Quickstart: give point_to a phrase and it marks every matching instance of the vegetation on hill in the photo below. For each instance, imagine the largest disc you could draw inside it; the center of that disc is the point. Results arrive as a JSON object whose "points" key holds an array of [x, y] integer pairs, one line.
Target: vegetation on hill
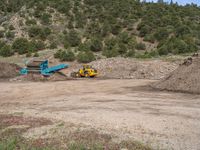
{"points": [[112, 28]]}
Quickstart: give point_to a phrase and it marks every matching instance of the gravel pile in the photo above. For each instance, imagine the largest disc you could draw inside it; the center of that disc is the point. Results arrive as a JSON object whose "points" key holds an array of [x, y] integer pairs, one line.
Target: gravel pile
{"points": [[124, 68], [186, 78]]}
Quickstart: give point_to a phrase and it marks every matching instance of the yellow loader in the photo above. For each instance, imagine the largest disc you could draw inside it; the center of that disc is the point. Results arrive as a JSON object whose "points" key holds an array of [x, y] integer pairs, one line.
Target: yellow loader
{"points": [[87, 71]]}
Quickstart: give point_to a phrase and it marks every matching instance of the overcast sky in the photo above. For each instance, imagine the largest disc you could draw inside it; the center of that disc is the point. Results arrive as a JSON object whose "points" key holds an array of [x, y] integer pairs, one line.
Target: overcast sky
{"points": [[182, 2]]}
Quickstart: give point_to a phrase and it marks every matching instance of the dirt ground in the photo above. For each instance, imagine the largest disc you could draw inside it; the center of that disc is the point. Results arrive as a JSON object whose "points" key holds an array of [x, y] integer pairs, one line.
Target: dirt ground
{"points": [[127, 109]]}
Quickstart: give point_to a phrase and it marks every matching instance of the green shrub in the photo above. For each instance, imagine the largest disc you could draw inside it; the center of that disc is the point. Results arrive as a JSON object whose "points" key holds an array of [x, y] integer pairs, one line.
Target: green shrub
{"points": [[84, 46], [161, 34], [21, 45], [34, 31], [130, 53], [67, 56], [85, 57], [73, 38], [36, 46], [140, 46], [10, 35], [6, 51], [58, 54], [45, 18], [163, 50], [36, 55], [149, 38], [31, 22], [29, 54], [2, 34], [96, 45], [111, 52], [53, 45], [11, 27]]}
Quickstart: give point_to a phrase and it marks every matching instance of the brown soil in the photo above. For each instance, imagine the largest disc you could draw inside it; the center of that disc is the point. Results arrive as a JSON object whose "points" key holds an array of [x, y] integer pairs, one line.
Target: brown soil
{"points": [[125, 109], [184, 79], [8, 70]]}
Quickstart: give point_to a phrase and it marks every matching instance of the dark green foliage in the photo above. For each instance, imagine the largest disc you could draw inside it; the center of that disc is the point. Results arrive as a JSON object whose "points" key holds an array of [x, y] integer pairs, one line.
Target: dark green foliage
{"points": [[2, 34], [11, 27], [107, 20], [161, 34], [21, 45], [36, 55], [96, 45], [53, 45], [6, 51], [40, 32], [31, 22], [85, 57], [36, 46], [84, 46], [73, 38], [45, 18], [10, 35], [140, 46], [64, 55]]}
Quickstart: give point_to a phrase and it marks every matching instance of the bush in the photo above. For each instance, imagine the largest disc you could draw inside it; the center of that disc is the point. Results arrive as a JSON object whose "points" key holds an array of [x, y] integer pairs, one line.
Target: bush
{"points": [[40, 32], [130, 53], [140, 46], [2, 34], [96, 45], [11, 27], [67, 56], [161, 34], [36, 46], [21, 45], [111, 52], [84, 46], [73, 38], [45, 18], [85, 57], [149, 38], [31, 22], [58, 54], [10, 35], [6, 51], [53, 45], [36, 55]]}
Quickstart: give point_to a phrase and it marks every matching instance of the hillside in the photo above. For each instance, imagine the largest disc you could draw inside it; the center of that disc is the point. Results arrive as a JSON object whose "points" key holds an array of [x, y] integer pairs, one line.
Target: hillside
{"points": [[90, 29]]}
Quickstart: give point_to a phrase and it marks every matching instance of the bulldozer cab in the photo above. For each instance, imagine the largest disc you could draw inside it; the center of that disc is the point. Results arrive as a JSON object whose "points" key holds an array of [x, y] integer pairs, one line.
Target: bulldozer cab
{"points": [[85, 67]]}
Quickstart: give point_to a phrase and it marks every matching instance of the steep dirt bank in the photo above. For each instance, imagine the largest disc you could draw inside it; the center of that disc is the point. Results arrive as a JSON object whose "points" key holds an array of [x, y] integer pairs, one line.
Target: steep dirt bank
{"points": [[186, 78]]}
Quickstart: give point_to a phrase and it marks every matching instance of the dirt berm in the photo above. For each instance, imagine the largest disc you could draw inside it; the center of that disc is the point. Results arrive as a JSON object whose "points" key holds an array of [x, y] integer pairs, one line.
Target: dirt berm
{"points": [[125, 68], [8, 70], [186, 78]]}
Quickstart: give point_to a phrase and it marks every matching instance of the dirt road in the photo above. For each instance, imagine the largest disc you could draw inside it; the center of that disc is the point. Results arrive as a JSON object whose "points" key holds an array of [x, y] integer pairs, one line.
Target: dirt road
{"points": [[127, 109]]}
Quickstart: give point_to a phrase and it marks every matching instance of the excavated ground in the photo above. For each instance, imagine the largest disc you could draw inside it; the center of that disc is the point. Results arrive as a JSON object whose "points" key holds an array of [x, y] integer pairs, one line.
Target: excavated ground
{"points": [[125, 109], [186, 78]]}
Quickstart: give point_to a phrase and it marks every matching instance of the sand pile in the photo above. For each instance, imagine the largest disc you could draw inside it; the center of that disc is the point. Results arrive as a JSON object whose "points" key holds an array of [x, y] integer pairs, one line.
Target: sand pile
{"points": [[124, 68], [186, 78], [8, 70]]}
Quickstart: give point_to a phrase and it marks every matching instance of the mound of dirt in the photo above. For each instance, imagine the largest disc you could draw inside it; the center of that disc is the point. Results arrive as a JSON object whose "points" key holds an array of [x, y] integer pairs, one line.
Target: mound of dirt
{"points": [[186, 78], [8, 70], [124, 68]]}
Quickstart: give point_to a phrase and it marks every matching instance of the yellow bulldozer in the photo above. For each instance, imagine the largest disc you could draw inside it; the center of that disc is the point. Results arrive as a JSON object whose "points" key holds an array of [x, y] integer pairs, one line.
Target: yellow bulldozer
{"points": [[87, 71]]}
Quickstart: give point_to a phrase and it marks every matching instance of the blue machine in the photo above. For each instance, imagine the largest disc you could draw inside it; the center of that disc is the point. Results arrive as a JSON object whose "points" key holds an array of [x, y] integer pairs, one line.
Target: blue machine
{"points": [[42, 67]]}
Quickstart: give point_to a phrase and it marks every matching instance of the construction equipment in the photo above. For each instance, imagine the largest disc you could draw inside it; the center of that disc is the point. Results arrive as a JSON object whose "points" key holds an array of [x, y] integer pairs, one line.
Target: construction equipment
{"points": [[42, 67], [87, 71]]}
